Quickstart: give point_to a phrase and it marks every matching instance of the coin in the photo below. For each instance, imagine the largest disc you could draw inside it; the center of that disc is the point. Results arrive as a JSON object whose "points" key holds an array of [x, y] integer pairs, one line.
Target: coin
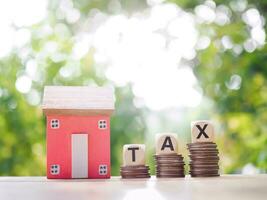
{"points": [[169, 166], [204, 159], [138, 171], [135, 176], [205, 175]]}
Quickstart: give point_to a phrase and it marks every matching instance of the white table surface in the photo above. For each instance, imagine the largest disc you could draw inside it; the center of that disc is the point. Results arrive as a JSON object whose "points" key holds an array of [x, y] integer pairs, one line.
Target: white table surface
{"points": [[225, 187]]}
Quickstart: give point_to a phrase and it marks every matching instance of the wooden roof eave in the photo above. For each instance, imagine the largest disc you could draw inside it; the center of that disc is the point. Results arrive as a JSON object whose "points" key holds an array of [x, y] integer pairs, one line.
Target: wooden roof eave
{"points": [[78, 112]]}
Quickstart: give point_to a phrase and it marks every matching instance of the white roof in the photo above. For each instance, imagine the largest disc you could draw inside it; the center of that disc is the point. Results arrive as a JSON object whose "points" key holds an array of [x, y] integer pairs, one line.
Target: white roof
{"points": [[82, 100]]}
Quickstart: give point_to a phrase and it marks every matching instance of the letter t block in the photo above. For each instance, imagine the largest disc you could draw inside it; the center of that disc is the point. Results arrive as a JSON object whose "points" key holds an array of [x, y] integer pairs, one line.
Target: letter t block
{"points": [[133, 154]]}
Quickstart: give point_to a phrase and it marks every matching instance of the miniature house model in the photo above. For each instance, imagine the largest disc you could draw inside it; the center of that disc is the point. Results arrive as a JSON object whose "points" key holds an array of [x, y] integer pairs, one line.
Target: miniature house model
{"points": [[78, 131]]}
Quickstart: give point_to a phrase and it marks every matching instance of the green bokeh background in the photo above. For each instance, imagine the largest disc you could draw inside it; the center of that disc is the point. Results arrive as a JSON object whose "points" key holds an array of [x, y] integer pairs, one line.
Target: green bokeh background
{"points": [[240, 115]]}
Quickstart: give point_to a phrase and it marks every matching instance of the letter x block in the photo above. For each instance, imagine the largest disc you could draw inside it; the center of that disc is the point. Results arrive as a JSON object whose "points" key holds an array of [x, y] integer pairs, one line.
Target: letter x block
{"points": [[166, 143], [133, 154], [202, 131]]}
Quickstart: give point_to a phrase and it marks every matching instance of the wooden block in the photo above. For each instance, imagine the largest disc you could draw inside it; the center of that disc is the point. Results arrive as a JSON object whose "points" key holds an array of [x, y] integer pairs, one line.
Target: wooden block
{"points": [[166, 143], [79, 155], [133, 154], [78, 100], [202, 131]]}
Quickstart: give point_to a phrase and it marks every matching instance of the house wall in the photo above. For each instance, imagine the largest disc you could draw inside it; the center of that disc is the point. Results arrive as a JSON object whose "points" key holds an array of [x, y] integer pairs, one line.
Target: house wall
{"points": [[59, 144]]}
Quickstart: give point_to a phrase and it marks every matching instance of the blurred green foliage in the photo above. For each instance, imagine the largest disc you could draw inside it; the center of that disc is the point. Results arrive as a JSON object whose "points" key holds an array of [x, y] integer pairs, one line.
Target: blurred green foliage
{"points": [[241, 114]]}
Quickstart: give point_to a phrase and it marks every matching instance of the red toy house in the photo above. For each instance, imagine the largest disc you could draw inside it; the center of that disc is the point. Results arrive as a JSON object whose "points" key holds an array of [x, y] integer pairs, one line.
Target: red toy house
{"points": [[78, 131]]}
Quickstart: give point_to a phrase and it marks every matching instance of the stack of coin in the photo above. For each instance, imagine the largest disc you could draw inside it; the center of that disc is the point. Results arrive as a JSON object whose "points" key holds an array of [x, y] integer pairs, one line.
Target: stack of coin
{"points": [[136, 171], [169, 166], [203, 159]]}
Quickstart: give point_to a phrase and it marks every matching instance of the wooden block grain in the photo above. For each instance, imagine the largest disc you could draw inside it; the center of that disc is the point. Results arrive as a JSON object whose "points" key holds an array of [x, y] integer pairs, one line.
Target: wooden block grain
{"points": [[78, 100], [133, 154], [166, 143], [79, 155], [202, 131]]}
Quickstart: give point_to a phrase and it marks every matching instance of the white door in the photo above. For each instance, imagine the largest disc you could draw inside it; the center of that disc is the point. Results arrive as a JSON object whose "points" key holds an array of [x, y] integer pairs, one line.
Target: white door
{"points": [[79, 148]]}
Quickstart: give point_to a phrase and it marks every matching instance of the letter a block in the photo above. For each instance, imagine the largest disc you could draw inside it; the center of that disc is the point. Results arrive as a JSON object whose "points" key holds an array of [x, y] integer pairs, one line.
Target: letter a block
{"points": [[166, 143], [133, 154], [202, 131]]}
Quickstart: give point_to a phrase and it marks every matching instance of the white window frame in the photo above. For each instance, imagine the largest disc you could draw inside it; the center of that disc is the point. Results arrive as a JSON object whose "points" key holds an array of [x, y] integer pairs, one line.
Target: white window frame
{"points": [[55, 169], [54, 123], [103, 170], [102, 124]]}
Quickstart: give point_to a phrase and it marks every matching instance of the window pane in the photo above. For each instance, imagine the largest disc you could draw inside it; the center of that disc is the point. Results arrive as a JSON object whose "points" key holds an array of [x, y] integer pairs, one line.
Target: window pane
{"points": [[54, 123]]}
